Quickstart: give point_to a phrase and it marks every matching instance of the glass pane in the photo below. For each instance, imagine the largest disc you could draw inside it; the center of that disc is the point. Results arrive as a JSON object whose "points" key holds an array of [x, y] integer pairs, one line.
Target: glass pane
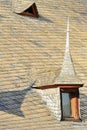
{"points": [[66, 107]]}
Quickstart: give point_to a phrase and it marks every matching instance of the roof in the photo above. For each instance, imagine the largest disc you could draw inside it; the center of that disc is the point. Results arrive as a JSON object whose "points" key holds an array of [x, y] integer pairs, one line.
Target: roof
{"points": [[37, 47], [19, 6], [33, 50]]}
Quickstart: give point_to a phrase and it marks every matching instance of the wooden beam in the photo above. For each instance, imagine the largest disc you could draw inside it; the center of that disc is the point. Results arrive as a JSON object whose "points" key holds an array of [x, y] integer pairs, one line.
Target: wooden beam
{"points": [[75, 108], [65, 86]]}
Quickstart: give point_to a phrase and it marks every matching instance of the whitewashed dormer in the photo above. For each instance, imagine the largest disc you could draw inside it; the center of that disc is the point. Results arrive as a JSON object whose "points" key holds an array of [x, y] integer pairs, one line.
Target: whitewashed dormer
{"points": [[62, 97]]}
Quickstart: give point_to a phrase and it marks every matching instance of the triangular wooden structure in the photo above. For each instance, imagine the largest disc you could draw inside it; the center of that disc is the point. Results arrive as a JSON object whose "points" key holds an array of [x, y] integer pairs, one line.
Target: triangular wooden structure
{"points": [[31, 11]]}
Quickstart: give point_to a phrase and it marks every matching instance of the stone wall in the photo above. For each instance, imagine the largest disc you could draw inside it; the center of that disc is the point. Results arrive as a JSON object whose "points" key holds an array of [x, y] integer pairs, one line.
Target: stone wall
{"points": [[52, 100]]}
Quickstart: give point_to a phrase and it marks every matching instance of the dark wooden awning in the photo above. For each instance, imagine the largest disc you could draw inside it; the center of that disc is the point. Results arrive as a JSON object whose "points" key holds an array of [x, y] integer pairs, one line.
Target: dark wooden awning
{"points": [[67, 86]]}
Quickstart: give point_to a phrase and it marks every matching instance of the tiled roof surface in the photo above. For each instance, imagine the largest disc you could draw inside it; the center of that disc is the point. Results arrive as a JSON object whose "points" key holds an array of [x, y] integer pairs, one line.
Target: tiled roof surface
{"points": [[33, 50], [19, 6]]}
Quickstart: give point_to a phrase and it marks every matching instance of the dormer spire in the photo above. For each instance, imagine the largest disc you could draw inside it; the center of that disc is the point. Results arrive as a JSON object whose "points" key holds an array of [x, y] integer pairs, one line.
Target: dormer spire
{"points": [[67, 36], [67, 74]]}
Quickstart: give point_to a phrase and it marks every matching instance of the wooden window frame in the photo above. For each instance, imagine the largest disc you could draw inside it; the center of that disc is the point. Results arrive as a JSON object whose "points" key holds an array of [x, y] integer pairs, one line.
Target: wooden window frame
{"points": [[74, 104], [34, 12]]}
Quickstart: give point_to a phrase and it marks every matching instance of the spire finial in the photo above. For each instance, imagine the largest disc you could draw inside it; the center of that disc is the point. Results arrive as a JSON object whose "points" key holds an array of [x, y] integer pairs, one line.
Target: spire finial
{"points": [[67, 36], [67, 73]]}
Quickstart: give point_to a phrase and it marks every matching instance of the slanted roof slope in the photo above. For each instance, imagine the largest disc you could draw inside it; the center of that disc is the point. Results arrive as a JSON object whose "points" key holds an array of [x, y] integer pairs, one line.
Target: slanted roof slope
{"points": [[33, 49], [19, 6]]}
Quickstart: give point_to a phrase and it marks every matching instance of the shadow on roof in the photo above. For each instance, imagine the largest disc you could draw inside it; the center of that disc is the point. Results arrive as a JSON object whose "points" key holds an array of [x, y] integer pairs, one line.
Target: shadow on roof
{"points": [[2, 16], [42, 18], [83, 105], [37, 44], [11, 101]]}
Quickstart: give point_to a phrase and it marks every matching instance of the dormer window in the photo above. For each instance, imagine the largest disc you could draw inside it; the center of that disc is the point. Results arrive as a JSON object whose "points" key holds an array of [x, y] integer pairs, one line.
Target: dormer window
{"points": [[31, 11], [25, 8], [70, 104], [68, 84]]}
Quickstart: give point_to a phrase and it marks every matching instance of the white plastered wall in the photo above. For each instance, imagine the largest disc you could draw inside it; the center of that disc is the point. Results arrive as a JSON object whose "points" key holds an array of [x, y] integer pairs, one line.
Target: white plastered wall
{"points": [[52, 100]]}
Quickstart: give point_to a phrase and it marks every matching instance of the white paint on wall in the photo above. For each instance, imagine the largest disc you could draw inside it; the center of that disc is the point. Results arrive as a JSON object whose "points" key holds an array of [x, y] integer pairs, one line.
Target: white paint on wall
{"points": [[52, 100]]}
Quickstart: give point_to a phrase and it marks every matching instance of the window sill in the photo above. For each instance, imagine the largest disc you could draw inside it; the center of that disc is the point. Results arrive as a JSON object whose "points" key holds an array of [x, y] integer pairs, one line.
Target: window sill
{"points": [[71, 119]]}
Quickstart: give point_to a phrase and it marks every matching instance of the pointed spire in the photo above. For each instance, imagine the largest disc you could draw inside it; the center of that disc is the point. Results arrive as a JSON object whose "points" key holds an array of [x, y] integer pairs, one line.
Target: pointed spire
{"points": [[67, 74], [67, 36]]}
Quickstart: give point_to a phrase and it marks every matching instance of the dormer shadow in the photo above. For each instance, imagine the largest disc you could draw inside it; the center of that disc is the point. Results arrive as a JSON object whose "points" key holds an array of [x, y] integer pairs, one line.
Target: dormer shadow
{"points": [[11, 101]]}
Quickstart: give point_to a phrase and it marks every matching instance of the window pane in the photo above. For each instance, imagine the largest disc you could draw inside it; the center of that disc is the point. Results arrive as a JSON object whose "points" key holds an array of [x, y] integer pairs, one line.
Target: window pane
{"points": [[66, 107]]}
